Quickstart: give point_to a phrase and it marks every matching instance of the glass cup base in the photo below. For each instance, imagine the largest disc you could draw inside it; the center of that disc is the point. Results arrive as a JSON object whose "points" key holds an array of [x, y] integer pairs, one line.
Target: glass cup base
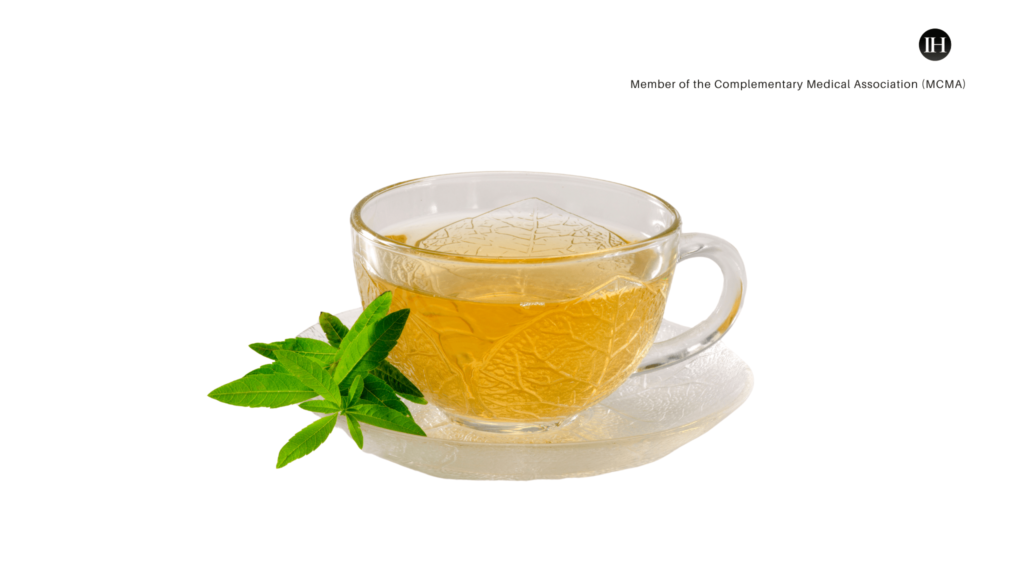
{"points": [[511, 427]]}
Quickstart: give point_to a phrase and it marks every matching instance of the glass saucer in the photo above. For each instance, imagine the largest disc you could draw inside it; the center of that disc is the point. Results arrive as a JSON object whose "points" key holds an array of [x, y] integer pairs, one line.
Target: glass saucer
{"points": [[647, 418]]}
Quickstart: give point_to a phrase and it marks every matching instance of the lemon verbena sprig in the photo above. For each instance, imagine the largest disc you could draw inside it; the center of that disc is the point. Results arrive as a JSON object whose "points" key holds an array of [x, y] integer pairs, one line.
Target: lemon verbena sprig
{"points": [[349, 373]]}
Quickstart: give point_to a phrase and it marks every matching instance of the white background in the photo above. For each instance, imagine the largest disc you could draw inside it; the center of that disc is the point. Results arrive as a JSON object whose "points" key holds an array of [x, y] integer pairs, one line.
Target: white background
{"points": [[176, 180]]}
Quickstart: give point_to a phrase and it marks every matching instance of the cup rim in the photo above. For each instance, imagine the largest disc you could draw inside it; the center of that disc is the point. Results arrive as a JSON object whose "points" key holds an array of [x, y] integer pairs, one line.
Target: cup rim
{"points": [[360, 227]]}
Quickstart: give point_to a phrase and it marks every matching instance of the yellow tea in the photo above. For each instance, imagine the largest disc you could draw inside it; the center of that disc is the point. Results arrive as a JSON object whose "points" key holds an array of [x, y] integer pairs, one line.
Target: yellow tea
{"points": [[529, 347]]}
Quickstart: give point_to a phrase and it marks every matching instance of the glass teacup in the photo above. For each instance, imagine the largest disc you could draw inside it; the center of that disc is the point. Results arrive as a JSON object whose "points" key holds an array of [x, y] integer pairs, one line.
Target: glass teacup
{"points": [[533, 296]]}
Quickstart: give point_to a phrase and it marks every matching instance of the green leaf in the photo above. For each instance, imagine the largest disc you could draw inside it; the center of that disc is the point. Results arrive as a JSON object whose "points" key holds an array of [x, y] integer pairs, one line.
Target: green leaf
{"points": [[355, 430], [413, 399], [346, 386], [333, 328], [265, 349], [320, 406], [377, 391], [355, 390], [398, 382], [273, 368], [313, 375], [384, 417], [317, 350], [370, 347], [263, 391], [307, 440], [372, 314]]}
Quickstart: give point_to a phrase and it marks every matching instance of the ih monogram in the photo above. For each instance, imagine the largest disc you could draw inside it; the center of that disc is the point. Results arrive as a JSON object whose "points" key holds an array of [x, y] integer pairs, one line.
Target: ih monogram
{"points": [[931, 42], [935, 44]]}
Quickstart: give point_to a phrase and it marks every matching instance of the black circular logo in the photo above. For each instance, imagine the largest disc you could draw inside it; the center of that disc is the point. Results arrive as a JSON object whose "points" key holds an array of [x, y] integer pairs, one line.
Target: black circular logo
{"points": [[935, 44]]}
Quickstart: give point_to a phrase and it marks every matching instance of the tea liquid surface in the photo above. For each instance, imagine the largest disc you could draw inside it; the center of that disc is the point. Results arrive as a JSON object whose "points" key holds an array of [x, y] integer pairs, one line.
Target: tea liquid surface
{"points": [[520, 348]]}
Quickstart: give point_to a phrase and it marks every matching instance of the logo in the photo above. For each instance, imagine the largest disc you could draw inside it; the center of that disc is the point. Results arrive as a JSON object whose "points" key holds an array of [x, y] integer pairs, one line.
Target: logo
{"points": [[935, 44]]}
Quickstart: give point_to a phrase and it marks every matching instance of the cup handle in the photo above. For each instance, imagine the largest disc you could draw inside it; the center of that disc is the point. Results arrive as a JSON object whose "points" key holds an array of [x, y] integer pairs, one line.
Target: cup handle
{"points": [[697, 339]]}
